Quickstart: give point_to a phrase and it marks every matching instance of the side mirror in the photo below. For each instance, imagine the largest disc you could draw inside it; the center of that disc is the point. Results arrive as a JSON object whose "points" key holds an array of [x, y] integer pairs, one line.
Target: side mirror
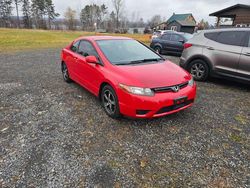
{"points": [[92, 59]]}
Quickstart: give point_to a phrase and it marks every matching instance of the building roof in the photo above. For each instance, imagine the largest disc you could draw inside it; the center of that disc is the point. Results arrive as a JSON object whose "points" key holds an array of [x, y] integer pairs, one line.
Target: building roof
{"points": [[229, 8], [184, 23], [181, 19]]}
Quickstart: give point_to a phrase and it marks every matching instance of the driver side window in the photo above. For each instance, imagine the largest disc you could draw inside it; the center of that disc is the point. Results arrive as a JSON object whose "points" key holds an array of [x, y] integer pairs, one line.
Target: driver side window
{"points": [[74, 47], [86, 49]]}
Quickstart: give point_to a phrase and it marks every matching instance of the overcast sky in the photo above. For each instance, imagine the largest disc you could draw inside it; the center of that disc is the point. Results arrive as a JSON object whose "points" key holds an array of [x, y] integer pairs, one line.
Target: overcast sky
{"points": [[147, 8]]}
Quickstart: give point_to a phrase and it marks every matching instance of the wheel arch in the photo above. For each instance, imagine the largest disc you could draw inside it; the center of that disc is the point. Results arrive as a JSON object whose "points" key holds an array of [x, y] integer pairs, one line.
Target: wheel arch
{"points": [[157, 45], [203, 58], [104, 83]]}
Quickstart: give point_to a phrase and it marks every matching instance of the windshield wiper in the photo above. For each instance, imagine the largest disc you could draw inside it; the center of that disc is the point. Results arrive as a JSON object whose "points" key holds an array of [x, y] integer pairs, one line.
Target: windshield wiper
{"points": [[141, 61], [153, 59], [146, 60]]}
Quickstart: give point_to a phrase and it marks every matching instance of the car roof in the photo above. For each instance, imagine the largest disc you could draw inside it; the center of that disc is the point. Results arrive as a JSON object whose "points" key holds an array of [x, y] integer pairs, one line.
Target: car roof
{"points": [[103, 37], [227, 29]]}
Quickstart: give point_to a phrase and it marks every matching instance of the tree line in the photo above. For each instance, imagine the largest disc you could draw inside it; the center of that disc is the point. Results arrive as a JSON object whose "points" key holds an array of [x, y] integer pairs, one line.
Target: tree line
{"points": [[41, 14], [35, 13]]}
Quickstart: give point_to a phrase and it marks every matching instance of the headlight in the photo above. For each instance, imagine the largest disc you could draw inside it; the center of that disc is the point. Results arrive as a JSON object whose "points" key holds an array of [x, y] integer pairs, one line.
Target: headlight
{"points": [[191, 82], [137, 90]]}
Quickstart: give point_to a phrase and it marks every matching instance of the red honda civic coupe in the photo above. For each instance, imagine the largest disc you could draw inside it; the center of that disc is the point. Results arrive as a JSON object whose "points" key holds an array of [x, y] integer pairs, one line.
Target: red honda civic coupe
{"points": [[128, 77]]}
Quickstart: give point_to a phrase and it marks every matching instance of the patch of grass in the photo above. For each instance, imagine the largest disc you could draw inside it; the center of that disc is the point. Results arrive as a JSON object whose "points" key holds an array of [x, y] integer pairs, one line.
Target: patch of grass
{"points": [[236, 138], [241, 119], [12, 40]]}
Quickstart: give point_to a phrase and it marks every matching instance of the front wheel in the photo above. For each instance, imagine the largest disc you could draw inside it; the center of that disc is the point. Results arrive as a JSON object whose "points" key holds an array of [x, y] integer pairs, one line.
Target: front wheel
{"points": [[199, 70], [110, 102], [157, 49], [65, 73]]}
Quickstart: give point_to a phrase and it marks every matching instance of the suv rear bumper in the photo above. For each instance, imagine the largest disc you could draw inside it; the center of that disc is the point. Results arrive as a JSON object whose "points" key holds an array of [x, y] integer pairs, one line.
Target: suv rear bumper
{"points": [[182, 63]]}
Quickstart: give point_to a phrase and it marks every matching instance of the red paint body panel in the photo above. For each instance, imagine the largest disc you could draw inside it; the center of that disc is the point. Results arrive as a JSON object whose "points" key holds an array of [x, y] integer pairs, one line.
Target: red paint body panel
{"points": [[91, 76]]}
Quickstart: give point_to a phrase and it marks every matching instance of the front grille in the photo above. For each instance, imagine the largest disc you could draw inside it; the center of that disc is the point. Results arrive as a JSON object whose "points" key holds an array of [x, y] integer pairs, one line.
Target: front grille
{"points": [[174, 107], [169, 88]]}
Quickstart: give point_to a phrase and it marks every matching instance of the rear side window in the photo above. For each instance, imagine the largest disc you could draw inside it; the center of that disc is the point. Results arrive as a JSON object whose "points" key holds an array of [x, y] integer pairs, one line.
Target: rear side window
{"points": [[166, 37], [231, 38], [211, 36], [249, 40], [175, 38]]}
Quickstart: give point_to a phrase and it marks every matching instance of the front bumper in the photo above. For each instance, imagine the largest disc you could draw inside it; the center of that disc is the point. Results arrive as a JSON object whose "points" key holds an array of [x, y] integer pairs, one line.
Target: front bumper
{"points": [[160, 104]]}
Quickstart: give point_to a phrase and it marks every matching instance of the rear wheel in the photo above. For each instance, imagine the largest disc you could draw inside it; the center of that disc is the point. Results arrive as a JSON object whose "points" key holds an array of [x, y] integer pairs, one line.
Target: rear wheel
{"points": [[199, 70], [110, 102], [65, 73], [157, 49]]}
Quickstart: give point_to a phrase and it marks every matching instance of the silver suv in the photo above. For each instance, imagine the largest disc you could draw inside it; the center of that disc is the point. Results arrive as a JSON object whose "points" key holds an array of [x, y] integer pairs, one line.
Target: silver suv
{"points": [[218, 52]]}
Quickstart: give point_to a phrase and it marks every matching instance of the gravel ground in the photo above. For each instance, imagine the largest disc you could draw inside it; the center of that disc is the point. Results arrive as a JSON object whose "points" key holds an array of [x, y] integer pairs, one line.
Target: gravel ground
{"points": [[55, 134]]}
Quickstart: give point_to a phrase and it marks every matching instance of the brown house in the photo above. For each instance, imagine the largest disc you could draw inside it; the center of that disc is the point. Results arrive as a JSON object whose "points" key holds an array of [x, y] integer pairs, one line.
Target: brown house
{"points": [[239, 14], [179, 22]]}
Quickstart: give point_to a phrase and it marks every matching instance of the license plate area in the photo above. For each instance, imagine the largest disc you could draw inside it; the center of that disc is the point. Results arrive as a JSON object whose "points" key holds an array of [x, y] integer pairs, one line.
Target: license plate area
{"points": [[180, 100]]}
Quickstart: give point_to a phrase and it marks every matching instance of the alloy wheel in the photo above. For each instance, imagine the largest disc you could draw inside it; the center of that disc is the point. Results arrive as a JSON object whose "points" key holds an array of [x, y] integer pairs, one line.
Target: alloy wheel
{"points": [[109, 102], [157, 50], [197, 70], [65, 73]]}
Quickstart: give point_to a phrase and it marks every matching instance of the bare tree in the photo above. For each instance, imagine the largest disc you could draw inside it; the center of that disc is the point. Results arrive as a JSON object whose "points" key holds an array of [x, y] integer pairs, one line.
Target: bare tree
{"points": [[70, 17], [155, 20], [118, 5]]}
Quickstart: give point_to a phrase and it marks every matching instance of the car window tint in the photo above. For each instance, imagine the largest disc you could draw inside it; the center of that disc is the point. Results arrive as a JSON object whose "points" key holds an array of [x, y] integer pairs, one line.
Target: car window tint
{"points": [[125, 50], [86, 49], [175, 38], [231, 38], [248, 40], [166, 37], [211, 36], [74, 47]]}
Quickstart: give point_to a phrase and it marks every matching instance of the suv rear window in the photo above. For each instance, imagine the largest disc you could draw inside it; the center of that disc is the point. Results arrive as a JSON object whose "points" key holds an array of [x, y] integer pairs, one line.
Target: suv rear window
{"points": [[231, 38], [211, 36]]}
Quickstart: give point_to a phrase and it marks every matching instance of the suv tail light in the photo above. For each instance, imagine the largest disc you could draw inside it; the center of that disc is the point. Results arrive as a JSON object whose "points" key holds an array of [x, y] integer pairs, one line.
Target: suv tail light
{"points": [[187, 45]]}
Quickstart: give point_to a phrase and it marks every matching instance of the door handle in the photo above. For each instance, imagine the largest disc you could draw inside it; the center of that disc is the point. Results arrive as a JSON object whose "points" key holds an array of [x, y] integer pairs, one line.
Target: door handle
{"points": [[247, 53], [210, 48]]}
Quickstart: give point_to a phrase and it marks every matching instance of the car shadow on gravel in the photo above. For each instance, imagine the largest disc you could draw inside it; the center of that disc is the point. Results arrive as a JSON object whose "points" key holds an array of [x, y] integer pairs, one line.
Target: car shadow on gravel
{"points": [[230, 83]]}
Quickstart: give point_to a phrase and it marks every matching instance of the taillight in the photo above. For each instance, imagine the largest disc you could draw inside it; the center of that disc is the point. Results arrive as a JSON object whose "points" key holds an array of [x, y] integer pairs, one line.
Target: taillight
{"points": [[187, 45]]}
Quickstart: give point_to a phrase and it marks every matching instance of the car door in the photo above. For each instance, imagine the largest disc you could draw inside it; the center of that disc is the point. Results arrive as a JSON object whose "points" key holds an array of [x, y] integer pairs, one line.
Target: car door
{"points": [[244, 63], [90, 73], [165, 40], [176, 43], [71, 60], [224, 50]]}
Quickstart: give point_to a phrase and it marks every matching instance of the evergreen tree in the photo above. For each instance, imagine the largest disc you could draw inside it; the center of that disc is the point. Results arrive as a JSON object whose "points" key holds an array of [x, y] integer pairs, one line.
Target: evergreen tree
{"points": [[26, 14], [42, 9], [50, 11], [37, 10], [5, 12], [17, 2]]}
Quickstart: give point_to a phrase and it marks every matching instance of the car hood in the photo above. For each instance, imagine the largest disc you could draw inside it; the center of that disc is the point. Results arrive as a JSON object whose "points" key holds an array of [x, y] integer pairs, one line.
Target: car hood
{"points": [[152, 75]]}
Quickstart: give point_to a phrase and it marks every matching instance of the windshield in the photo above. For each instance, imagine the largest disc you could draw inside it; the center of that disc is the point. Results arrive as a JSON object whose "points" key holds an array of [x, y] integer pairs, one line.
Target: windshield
{"points": [[128, 51]]}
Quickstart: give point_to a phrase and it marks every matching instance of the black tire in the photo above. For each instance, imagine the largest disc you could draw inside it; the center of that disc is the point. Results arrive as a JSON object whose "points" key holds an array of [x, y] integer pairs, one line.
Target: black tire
{"points": [[65, 73], [199, 70], [157, 49], [110, 102]]}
